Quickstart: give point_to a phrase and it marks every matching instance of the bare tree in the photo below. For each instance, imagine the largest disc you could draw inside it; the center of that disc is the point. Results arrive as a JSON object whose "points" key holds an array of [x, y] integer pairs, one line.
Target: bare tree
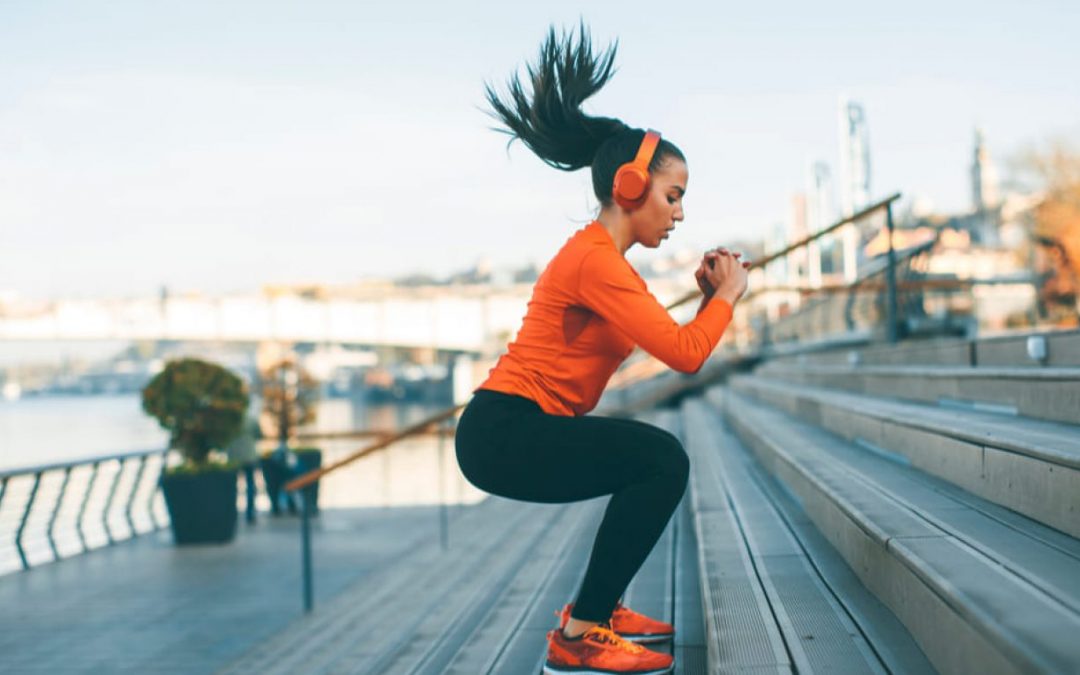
{"points": [[1055, 170]]}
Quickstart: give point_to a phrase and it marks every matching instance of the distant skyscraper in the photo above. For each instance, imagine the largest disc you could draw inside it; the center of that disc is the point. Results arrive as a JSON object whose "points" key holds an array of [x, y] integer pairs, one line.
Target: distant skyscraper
{"points": [[798, 271], [819, 196], [819, 215], [854, 178], [984, 183], [854, 157]]}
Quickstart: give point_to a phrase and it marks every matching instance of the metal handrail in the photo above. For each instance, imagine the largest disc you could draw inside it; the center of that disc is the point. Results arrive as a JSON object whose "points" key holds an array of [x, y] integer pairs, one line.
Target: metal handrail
{"points": [[305, 482], [888, 271], [348, 435], [877, 206], [60, 529], [310, 477], [914, 284], [43, 468]]}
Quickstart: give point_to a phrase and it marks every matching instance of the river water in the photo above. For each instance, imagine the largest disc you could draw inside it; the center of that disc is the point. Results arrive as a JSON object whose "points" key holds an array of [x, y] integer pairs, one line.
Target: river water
{"points": [[47, 429]]}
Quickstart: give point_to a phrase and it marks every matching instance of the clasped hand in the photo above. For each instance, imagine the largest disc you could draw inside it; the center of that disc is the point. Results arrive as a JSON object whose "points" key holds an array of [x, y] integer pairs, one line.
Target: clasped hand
{"points": [[722, 269]]}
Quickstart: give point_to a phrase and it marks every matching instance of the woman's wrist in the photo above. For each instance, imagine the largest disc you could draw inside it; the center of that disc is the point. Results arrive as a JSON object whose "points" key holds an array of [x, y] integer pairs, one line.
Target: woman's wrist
{"points": [[728, 294]]}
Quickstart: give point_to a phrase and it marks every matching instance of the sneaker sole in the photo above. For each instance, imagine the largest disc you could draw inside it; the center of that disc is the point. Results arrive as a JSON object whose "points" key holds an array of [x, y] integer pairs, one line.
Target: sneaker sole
{"points": [[571, 670], [646, 639]]}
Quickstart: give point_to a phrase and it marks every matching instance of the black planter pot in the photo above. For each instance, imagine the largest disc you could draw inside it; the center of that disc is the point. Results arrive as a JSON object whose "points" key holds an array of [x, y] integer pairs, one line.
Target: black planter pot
{"points": [[275, 475], [202, 507]]}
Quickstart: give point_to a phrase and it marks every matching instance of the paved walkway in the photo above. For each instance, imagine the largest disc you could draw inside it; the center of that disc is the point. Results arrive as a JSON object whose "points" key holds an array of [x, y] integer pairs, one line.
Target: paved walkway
{"points": [[148, 606]]}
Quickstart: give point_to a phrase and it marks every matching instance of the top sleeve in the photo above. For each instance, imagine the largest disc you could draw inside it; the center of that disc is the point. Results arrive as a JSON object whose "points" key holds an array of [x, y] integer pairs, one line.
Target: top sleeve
{"points": [[608, 286]]}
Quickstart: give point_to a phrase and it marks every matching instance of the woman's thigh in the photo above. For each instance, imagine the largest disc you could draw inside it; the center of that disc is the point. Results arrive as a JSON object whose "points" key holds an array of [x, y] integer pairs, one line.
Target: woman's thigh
{"points": [[534, 456]]}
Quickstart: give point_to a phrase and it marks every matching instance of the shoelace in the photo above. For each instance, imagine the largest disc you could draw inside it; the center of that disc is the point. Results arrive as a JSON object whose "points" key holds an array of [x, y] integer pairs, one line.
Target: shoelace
{"points": [[604, 635]]}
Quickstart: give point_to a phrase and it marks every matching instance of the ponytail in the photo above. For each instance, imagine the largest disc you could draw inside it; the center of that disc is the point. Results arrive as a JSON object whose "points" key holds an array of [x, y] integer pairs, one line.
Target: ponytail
{"points": [[551, 122]]}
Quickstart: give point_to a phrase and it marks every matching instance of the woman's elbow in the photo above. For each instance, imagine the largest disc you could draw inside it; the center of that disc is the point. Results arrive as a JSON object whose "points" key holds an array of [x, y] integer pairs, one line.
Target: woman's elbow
{"points": [[690, 364]]}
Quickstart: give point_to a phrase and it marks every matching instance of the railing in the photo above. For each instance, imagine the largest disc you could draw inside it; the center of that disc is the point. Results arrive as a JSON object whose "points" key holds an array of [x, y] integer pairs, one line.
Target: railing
{"points": [[442, 423], [58, 510], [753, 326], [893, 297], [876, 220]]}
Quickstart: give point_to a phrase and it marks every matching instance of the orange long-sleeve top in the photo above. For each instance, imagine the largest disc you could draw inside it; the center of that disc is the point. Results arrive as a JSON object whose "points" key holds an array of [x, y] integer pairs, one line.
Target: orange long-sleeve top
{"points": [[588, 309]]}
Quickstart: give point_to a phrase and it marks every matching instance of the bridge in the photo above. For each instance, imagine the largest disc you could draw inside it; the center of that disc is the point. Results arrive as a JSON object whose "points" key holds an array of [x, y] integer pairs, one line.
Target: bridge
{"points": [[469, 318], [463, 319]]}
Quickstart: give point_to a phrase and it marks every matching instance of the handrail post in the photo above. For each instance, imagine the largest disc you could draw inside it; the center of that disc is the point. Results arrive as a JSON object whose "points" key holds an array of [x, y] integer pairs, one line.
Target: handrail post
{"points": [[155, 489], [109, 501], [305, 545], [444, 524], [82, 507], [25, 517], [891, 309], [56, 512], [134, 490]]}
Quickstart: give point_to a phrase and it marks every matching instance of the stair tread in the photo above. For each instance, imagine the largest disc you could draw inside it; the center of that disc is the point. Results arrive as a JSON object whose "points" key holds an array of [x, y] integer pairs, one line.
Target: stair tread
{"points": [[799, 623], [1062, 373], [1055, 442], [971, 582]]}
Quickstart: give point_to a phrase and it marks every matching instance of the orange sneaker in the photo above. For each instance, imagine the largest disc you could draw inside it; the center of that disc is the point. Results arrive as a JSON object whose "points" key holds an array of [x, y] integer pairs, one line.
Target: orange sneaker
{"points": [[630, 625], [599, 651]]}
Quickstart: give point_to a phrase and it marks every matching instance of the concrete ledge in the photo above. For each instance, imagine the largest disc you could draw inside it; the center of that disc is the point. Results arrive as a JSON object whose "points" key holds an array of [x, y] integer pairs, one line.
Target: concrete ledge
{"points": [[1028, 466], [1045, 393], [1063, 349]]}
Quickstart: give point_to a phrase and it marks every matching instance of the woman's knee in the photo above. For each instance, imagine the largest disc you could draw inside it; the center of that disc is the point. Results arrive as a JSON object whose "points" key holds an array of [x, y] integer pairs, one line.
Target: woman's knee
{"points": [[674, 461]]}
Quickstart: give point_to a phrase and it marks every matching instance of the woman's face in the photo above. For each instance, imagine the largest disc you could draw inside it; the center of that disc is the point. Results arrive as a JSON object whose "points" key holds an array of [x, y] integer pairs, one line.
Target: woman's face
{"points": [[656, 218]]}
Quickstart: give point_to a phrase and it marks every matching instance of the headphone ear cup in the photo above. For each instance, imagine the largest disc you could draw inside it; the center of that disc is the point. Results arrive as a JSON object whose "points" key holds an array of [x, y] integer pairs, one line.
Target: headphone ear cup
{"points": [[630, 187]]}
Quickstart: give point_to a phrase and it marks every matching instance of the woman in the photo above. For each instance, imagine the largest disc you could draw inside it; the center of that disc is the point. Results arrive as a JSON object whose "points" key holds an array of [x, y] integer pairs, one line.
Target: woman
{"points": [[524, 434]]}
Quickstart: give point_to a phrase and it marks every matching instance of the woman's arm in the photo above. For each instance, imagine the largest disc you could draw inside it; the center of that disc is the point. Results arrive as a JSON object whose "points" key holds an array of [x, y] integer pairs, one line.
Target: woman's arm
{"points": [[608, 286]]}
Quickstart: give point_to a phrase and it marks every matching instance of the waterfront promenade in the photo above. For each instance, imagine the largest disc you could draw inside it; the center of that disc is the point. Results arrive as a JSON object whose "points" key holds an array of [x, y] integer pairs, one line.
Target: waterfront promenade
{"points": [[147, 606]]}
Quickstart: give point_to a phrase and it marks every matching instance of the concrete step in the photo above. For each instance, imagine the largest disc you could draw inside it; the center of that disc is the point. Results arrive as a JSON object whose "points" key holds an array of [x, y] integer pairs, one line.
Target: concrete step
{"points": [[978, 594], [776, 598], [1030, 466], [1040, 393], [1060, 349]]}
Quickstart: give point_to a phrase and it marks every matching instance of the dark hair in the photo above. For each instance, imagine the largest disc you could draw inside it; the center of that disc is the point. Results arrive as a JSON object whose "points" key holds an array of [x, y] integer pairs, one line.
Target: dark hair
{"points": [[551, 122]]}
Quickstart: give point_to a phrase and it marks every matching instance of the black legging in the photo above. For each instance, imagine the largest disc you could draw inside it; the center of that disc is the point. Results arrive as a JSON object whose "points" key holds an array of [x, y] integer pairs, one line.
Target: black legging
{"points": [[508, 446]]}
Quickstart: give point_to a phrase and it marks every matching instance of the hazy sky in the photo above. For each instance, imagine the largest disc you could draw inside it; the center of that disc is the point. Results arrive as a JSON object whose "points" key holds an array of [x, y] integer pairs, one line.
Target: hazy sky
{"points": [[219, 145]]}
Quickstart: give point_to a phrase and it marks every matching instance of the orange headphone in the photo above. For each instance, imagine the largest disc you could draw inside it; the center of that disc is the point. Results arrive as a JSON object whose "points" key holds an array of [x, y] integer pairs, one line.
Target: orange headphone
{"points": [[631, 185]]}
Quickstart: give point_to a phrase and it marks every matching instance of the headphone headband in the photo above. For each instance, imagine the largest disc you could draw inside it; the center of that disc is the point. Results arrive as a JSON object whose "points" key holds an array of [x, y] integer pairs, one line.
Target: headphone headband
{"points": [[648, 149]]}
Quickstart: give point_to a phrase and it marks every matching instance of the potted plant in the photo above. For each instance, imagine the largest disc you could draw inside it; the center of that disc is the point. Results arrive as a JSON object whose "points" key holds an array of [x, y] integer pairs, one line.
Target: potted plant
{"points": [[289, 395], [202, 406]]}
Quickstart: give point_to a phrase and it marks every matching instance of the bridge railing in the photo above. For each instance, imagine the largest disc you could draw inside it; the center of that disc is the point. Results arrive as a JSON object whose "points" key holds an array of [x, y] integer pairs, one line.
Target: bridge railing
{"points": [[55, 511]]}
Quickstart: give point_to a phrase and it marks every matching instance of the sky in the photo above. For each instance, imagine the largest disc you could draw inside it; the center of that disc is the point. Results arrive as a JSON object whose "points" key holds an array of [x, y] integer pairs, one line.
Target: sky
{"points": [[217, 146]]}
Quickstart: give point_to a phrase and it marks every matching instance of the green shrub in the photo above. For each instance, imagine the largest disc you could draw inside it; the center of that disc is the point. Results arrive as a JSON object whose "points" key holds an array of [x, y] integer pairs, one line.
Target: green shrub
{"points": [[201, 405]]}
